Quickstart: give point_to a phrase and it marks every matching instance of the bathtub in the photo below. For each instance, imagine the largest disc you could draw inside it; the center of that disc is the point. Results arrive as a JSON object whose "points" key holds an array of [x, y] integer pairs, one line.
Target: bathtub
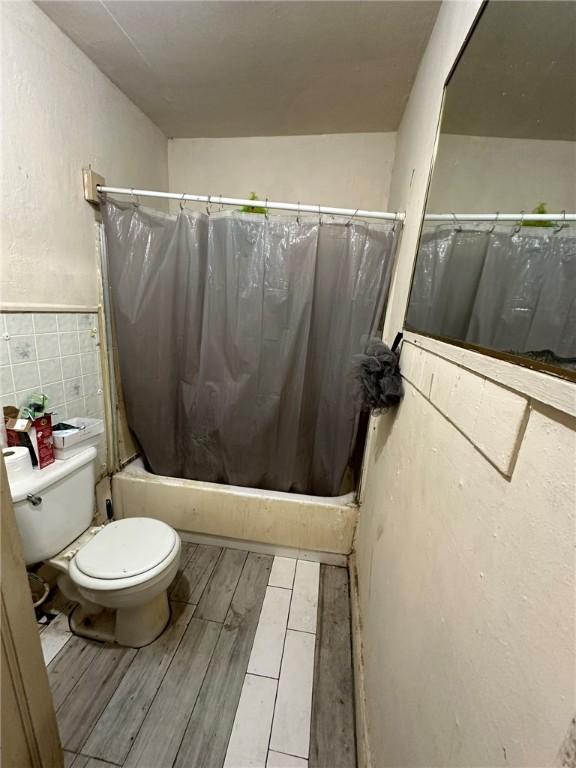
{"points": [[291, 521]]}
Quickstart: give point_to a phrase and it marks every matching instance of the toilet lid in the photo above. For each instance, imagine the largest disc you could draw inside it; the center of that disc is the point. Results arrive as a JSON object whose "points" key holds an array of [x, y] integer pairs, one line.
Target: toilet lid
{"points": [[126, 548]]}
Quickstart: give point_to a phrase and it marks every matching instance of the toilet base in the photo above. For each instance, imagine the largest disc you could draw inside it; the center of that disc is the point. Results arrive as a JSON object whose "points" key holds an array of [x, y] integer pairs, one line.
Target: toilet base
{"points": [[99, 626], [129, 627], [140, 626]]}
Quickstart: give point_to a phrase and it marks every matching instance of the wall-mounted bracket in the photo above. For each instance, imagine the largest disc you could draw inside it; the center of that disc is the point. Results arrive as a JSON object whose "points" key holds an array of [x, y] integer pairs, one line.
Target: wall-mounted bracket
{"points": [[91, 179]]}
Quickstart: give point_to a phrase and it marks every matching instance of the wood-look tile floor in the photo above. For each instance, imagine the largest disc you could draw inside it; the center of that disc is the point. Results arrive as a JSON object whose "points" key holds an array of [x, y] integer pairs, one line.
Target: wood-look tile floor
{"points": [[254, 669]]}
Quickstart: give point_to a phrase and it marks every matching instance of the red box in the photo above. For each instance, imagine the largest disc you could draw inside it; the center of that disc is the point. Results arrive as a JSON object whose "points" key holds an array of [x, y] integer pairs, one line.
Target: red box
{"points": [[36, 435], [43, 440]]}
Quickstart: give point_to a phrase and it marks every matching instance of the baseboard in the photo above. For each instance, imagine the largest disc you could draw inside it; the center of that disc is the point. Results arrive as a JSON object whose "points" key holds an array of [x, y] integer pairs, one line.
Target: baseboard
{"points": [[363, 754], [328, 558]]}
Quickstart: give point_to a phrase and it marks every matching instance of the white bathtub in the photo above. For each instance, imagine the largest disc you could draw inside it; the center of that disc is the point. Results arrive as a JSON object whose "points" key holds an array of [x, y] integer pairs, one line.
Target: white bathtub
{"points": [[281, 520]]}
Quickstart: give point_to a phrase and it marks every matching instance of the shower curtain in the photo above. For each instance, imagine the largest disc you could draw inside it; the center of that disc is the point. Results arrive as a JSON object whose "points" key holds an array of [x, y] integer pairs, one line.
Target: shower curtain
{"points": [[506, 290], [236, 337]]}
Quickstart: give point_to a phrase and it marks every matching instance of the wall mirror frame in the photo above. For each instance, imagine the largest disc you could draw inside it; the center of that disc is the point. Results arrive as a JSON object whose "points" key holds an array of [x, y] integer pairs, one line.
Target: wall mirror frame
{"points": [[514, 318]]}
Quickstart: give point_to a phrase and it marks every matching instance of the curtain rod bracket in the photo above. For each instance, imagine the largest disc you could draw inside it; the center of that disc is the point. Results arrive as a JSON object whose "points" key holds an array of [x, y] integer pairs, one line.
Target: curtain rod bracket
{"points": [[92, 181]]}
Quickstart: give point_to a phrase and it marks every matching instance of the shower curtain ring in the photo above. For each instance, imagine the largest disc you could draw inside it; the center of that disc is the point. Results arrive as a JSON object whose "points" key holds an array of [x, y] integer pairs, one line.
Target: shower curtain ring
{"points": [[135, 201], [298, 214], [457, 225], [493, 227], [520, 224], [319, 215], [208, 205], [562, 225], [266, 210], [351, 217], [182, 201]]}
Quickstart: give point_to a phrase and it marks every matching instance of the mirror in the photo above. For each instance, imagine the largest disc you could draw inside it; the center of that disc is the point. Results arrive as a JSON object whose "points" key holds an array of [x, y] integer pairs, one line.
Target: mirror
{"points": [[496, 264]]}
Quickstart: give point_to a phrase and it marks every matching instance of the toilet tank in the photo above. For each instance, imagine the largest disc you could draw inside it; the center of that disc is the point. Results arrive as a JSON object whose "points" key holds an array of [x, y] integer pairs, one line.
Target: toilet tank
{"points": [[64, 505]]}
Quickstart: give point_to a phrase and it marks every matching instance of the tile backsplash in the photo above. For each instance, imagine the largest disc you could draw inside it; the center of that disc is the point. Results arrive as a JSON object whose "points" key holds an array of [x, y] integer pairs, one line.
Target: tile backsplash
{"points": [[53, 353]]}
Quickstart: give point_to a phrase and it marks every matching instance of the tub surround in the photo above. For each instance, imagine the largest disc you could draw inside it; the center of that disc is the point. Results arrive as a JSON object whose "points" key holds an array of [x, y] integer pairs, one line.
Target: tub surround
{"points": [[285, 520]]}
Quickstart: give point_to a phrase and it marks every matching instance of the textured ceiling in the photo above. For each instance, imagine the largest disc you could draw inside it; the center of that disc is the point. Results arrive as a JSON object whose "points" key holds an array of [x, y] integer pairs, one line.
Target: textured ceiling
{"points": [[517, 76], [255, 68]]}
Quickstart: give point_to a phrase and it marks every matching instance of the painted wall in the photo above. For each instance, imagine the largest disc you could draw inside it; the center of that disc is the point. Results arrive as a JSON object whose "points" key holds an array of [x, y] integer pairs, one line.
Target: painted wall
{"points": [[480, 174], [465, 541], [350, 170], [60, 113]]}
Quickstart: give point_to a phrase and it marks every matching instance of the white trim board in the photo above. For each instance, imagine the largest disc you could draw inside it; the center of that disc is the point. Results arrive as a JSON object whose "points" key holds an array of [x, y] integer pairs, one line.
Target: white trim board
{"points": [[12, 306], [327, 558], [543, 387]]}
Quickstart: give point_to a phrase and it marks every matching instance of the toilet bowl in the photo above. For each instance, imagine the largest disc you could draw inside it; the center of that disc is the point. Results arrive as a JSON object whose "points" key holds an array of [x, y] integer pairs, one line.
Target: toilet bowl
{"points": [[118, 573], [125, 567]]}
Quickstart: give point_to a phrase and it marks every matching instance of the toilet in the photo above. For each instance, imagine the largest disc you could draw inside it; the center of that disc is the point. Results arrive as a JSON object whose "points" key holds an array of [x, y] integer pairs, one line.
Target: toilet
{"points": [[118, 573]]}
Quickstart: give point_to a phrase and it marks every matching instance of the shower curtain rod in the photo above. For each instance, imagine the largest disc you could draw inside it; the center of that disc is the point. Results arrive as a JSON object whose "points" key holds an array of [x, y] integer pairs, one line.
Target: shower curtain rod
{"points": [[456, 218], [268, 204]]}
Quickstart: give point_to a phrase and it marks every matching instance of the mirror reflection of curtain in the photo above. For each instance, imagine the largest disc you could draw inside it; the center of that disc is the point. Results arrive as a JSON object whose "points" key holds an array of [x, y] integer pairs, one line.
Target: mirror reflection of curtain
{"points": [[500, 290], [237, 336]]}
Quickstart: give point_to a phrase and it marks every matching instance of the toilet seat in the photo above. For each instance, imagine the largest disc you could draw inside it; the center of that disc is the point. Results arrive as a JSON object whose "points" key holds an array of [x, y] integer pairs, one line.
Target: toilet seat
{"points": [[125, 554]]}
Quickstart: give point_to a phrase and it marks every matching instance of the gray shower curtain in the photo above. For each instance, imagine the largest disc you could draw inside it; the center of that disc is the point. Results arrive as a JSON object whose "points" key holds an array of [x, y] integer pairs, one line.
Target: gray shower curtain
{"points": [[236, 337], [505, 290]]}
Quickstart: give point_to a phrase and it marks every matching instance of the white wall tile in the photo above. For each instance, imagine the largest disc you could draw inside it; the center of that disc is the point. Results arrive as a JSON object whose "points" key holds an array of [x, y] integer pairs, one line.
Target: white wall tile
{"points": [[26, 376], [280, 760], [269, 639], [47, 345], [292, 714], [54, 392], [45, 322], [88, 341], [304, 607], [89, 363], [75, 408], [248, 745], [22, 349], [71, 367], [50, 370], [73, 389], [87, 322], [58, 373], [67, 321], [4, 351], [6, 380], [282, 573], [69, 344], [19, 323], [91, 384]]}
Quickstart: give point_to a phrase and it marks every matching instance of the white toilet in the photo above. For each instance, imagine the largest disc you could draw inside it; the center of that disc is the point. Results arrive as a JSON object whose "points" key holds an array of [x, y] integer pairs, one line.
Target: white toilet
{"points": [[125, 566]]}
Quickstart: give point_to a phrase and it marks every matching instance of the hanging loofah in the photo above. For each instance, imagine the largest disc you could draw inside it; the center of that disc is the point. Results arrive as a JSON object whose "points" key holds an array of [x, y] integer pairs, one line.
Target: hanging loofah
{"points": [[378, 377]]}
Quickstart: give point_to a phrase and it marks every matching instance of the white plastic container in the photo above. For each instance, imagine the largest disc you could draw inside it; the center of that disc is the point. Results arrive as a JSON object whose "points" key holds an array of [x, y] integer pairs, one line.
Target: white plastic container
{"points": [[86, 433]]}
